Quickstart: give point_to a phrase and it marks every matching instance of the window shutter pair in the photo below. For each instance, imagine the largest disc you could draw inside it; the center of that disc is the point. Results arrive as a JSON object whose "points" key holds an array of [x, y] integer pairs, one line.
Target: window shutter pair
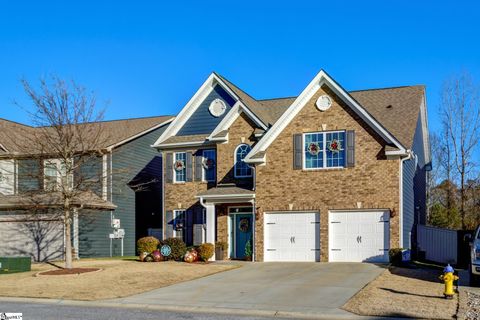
{"points": [[188, 164], [349, 150]]}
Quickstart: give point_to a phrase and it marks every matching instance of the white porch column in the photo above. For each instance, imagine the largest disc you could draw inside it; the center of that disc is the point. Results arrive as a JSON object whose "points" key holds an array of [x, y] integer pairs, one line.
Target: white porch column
{"points": [[210, 210]]}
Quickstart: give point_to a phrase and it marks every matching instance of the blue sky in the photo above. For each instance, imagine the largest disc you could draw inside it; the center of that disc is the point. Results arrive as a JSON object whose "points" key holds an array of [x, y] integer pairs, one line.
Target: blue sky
{"points": [[148, 57]]}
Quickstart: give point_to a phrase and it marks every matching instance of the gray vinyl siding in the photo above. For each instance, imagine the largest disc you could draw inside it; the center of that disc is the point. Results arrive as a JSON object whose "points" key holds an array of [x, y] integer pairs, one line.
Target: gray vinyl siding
{"points": [[201, 120], [414, 189], [128, 161], [90, 175]]}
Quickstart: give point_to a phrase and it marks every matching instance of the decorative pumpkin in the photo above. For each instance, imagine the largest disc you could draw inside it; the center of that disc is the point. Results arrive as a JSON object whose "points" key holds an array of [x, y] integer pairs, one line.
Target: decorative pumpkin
{"points": [[142, 256], [157, 257], [148, 258], [194, 254], [188, 257]]}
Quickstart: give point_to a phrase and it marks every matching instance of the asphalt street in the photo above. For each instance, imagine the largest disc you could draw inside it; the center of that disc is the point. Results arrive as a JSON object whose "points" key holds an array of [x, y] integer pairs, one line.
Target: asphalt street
{"points": [[38, 311]]}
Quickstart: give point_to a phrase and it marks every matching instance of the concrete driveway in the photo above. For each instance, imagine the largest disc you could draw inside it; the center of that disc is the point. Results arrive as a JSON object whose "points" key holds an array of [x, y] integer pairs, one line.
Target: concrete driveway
{"points": [[316, 289]]}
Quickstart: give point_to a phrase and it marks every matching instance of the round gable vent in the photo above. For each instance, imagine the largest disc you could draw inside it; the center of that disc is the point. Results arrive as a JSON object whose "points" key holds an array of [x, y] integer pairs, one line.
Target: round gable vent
{"points": [[217, 108], [323, 103]]}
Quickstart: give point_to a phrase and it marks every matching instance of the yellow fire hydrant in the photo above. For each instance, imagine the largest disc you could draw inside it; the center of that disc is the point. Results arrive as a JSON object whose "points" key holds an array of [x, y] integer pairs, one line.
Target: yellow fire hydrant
{"points": [[448, 277]]}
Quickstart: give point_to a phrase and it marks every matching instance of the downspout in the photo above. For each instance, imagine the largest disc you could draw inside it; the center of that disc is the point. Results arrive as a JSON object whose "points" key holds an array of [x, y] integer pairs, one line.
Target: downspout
{"points": [[164, 214], [400, 209], [254, 214]]}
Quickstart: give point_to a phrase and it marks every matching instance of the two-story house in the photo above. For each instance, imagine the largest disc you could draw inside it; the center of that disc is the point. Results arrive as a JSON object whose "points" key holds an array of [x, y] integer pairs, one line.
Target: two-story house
{"points": [[329, 175], [124, 192]]}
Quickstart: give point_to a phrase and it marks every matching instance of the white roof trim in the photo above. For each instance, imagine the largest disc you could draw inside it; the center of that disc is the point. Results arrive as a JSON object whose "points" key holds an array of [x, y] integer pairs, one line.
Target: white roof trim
{"points": [[187, 110], [193, 104], [221, 196], [3, 147], [321, 78], [179, 144], [227, 121], [230, 118], [424, 123], [397, 153], [140, 134]]}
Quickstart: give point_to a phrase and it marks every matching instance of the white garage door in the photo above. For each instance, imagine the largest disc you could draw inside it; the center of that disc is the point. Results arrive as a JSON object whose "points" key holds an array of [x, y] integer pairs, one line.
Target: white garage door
{"points": [[292, 236], [359, 236], [42, 240]]}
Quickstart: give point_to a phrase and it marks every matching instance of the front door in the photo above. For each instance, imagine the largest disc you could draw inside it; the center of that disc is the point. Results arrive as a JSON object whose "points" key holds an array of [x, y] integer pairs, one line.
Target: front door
{"points": [[241, 234]]}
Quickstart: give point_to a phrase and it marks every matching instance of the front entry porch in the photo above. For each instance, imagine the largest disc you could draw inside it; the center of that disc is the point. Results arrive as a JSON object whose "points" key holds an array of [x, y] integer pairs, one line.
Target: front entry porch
{"points": [[230, 218]]}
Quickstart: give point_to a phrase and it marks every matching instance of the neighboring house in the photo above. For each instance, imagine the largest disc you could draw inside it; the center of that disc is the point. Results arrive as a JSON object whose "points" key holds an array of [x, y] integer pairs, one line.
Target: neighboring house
{"points": [[126, 185], [329, 175]]}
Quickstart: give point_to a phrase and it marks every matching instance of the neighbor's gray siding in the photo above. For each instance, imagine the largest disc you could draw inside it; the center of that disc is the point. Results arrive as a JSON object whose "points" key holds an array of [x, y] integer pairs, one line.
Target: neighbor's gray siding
{"points": [[128, 160], [201, 120], [414, 188]]}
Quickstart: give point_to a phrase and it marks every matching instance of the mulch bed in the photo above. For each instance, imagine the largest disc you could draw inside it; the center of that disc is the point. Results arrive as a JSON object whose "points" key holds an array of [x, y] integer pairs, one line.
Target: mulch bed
{"points": [[61, 272]]}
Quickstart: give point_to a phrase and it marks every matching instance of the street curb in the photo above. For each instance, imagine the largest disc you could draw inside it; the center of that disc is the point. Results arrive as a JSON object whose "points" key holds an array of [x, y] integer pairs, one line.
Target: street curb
{"points": [[211, 310]]}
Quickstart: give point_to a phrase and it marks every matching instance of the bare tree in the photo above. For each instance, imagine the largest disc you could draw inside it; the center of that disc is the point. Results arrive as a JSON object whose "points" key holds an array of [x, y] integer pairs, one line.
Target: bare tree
{"points": [[67, 139], [460, 114]]}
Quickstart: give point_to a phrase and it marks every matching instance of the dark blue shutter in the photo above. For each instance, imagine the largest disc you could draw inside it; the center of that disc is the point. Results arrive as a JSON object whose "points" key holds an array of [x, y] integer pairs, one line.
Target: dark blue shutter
{"points": [[297, 151], [169, 167], [350, 148], [169, 224], [198, 166], [189, 167]]}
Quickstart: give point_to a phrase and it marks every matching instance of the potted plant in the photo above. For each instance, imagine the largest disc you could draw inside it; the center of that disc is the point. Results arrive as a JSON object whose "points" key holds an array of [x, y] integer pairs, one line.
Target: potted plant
{"points": [[220, 250], [248, 251]]}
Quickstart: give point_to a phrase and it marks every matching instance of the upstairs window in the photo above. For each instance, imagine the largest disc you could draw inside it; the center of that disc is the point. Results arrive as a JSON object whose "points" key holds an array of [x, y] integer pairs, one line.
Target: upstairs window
{"points": [[180, 167], [324, 150], [57, 175], [7, 177], [242, 170], [209, 164]]}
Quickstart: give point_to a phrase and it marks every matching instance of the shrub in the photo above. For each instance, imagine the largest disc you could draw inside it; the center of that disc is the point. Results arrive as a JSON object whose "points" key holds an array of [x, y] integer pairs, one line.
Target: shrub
{"points": [[205, 251], [147, 244], [248, 249], [178, 248], [395, 255]]}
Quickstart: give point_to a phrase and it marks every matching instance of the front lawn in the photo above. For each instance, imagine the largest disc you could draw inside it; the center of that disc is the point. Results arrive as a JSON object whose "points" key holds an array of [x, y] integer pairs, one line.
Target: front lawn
{"points": [[402, 292], [119, 278]]}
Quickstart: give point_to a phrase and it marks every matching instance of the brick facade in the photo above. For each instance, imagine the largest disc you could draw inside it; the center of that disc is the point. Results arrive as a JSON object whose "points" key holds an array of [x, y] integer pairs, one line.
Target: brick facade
{"points": [[373, 182]]}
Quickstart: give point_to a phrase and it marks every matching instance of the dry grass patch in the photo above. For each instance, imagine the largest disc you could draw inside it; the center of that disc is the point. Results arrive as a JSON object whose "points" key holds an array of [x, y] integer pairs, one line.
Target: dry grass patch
{"points": [[119, 278], [402, 292]]}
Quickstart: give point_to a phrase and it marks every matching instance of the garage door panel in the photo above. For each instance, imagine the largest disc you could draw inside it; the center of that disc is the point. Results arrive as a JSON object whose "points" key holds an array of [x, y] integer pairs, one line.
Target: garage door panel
{"points": [[42, 240], [294, 237], [359, 236]]}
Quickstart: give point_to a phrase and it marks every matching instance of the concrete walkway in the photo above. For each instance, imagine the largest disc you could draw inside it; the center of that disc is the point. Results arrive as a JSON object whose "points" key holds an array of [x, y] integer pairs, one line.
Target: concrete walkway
{"points": [[280, 289]]}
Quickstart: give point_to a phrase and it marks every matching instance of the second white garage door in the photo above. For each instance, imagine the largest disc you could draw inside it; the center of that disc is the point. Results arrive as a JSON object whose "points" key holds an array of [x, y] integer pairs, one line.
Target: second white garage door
{"points": [[292, 236], [359, 236]]}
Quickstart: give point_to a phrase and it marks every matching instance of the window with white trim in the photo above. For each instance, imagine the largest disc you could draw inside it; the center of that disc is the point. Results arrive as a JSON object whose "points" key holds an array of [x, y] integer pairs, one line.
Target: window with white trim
{"points": [[180, 166], [178, 221], [209, 165], [324, 150], [57, 174], [242, 169], [7, 177]]}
